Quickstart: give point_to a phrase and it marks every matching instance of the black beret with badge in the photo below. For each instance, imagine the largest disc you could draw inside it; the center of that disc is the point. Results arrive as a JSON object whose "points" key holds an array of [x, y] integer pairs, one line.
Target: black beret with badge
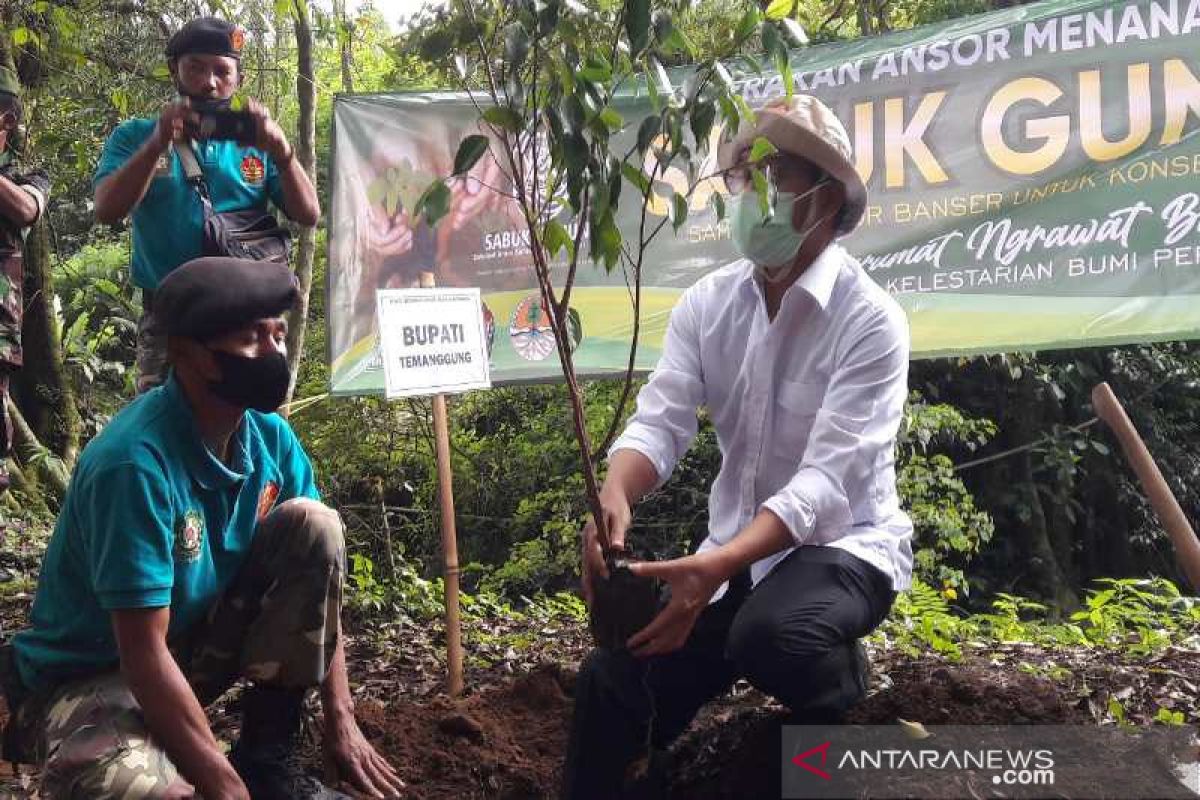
{"points": [[209, 297], [207, 36]]}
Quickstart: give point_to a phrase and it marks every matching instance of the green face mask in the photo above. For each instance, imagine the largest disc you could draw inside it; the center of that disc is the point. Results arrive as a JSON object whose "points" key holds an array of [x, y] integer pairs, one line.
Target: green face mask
{"points": [[771, 243]]}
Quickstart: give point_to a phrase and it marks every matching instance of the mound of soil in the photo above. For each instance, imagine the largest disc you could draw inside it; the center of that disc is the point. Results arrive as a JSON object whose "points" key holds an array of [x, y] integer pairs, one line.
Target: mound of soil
{"points": [[506, 742], [732, 750]]}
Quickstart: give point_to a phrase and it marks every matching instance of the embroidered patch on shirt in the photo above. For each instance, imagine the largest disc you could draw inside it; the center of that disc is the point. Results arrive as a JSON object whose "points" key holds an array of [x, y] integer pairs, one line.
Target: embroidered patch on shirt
{"points": [[267, 498], [189, 536], [253, 170]]}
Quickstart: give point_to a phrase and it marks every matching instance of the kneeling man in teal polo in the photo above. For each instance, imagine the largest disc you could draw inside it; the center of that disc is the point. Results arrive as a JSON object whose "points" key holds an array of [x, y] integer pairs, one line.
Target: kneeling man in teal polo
{"points": [[193, 550]]}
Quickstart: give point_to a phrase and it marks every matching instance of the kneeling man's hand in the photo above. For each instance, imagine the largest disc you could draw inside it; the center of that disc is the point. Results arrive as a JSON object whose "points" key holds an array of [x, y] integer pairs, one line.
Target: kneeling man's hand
{"points": [[350, 757], [693, 580]]}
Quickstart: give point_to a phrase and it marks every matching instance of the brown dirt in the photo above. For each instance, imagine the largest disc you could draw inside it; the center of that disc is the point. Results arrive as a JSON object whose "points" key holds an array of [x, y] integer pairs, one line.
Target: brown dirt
{"points": [[506, 742], [733, 749]]}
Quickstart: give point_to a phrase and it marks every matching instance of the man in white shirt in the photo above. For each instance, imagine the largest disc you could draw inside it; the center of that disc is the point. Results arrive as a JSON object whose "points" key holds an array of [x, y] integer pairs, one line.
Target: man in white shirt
{"points": [[802, 362]]}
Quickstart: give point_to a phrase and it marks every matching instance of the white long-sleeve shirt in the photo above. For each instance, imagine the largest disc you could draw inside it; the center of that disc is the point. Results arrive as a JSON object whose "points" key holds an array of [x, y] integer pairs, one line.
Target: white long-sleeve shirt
{"points": [[806, 408]]}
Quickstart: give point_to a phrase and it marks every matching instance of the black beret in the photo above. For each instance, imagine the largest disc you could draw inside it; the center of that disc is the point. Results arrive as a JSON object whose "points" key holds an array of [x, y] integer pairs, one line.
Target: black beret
{"points": [[207, 35], [209, 297]]}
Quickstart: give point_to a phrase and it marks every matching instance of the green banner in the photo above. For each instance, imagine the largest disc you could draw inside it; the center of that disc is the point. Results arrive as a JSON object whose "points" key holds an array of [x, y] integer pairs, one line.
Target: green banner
{"points": [[1032, 179]]}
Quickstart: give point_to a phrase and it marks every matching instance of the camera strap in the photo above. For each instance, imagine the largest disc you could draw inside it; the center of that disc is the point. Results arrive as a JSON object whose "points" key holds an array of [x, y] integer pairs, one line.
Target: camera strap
{"points": [[193, 173]]}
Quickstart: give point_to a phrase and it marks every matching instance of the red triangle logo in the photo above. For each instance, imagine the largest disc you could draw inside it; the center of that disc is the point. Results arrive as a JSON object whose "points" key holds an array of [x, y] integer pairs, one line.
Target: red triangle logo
{"points": [[802, 762]]}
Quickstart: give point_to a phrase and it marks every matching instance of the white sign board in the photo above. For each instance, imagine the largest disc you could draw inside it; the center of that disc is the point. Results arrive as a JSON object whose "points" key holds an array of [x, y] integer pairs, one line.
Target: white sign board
{"points": [[433, 341]]}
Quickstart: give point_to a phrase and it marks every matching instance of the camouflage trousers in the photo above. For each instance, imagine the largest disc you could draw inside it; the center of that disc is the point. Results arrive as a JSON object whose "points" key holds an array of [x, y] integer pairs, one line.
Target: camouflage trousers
{"points": [[6, 425], [151, 348], [277, 624]]}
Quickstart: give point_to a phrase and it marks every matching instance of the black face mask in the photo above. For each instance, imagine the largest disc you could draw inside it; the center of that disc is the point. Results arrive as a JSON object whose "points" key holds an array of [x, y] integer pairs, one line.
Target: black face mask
{"points": [[258, 383]]}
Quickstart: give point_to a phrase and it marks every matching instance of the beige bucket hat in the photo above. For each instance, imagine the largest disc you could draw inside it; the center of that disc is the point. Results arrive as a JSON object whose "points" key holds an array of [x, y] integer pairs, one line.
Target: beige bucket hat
{"points": [[806, 127]]}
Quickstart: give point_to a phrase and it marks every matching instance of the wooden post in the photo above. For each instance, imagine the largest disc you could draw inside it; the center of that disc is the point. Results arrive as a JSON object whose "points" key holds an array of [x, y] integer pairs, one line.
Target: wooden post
{"points": [[1162, 499], [441, 435]]}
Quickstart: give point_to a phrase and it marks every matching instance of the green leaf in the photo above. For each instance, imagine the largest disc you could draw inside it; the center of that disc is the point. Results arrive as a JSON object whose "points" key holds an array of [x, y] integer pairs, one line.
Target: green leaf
{"points": [[607, 241], [503, 117], [572, 114], [556, 238], [772, 44], [702, 118], [784, 65], [761, 148], [434, 203], [778, 9], [611, 119], [718, 204], [575, 153], [470, 150], [747, 25], [679, 211], [795, 31], [516, 45], [637, 25], [763, 190], [675, 130], [598, 197], [20, 36], [647, 132], [574, 328], [638, 178], [283, 9], [596, 69]]}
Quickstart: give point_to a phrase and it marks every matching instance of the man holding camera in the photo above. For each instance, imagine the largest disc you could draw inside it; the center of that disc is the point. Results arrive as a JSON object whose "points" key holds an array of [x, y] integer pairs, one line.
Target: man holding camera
{"points": [[142, 170], [802, 362], [22, 200]]}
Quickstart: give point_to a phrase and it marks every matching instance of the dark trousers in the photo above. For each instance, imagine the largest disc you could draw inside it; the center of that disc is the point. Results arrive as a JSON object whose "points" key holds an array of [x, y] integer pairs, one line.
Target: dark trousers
{"points": [[792, 637]]}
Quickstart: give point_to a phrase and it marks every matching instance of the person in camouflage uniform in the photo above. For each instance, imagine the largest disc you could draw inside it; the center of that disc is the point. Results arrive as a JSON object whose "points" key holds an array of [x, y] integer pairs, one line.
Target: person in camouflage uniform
{"points": [[192, 551], [22, 200]]}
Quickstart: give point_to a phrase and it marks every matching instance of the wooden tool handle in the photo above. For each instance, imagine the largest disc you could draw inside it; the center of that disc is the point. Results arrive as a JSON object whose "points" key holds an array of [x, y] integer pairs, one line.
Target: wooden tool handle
{"points": [[1162, 499]]}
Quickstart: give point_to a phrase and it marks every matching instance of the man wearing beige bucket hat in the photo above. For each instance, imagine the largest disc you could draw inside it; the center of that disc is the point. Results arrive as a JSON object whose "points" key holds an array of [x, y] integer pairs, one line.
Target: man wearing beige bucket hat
{"points": [[802, 362]]}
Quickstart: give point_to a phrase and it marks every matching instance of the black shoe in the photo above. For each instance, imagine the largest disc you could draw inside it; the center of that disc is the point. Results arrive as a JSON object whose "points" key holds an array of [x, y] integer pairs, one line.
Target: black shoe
{"points": [[266, 755]]}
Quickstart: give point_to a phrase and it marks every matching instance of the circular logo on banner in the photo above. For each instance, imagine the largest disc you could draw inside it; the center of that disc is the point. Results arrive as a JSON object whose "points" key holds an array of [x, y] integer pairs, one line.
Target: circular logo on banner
{"points": [[530, 331]]}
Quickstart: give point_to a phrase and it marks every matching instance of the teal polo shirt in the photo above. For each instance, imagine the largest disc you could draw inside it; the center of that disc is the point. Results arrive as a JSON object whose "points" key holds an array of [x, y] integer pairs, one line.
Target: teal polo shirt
{"points": [[152, 519], [168, 224]]}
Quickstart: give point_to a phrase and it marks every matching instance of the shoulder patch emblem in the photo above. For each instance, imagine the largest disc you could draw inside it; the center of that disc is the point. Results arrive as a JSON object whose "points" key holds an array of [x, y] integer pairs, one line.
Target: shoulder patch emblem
{"points": [[189, 537], [253, 170], [267, 498]]}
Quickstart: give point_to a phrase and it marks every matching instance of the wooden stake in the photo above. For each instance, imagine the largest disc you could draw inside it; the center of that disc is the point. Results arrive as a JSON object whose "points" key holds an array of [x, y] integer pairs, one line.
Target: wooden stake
{"points": [[1162, 499], [441, 435]]}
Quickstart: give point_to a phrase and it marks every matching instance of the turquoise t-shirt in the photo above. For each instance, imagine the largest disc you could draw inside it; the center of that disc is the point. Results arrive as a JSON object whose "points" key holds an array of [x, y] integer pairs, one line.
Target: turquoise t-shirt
{"points": [[168, 223], [151, 519]]}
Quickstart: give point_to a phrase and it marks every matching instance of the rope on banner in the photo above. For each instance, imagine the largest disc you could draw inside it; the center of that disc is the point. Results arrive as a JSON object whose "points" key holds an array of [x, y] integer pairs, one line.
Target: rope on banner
{"points": [[1051, 437]]}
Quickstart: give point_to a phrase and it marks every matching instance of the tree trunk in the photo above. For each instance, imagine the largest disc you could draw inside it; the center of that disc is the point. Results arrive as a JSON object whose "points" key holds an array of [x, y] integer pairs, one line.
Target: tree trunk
{"points": [[345, 46], [306, 152], [865, 19], [41, 388], [1050, 576]]}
